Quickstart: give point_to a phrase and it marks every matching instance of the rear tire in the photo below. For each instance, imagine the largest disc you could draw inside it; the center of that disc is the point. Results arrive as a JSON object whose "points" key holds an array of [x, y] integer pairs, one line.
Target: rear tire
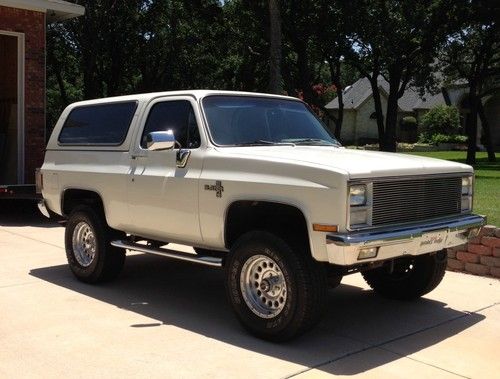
{"points": [[410, 277], [277, 292], [90, 256]]}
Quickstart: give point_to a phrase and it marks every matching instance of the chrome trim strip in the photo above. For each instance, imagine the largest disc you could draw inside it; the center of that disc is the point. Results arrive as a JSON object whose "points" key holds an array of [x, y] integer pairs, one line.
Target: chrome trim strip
{"points": [[207, 261], [401, 234], [407, 177]]}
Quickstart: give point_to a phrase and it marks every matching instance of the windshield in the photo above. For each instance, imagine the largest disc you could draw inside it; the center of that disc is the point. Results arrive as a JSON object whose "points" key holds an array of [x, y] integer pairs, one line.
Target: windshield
{"points": [[244, 120]]}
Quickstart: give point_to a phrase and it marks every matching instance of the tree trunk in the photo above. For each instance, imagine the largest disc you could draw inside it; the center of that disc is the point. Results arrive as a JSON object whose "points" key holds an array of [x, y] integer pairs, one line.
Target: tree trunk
{"points": [[275, 48], [487, 132], [340, 117], [472, 125], [378, 111], [391, 117], [391, 121], [335, 78]]}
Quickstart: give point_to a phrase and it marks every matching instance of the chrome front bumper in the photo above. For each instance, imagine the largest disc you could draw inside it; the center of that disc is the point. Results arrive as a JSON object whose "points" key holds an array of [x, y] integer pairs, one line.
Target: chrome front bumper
{"points": [[344, 248]]}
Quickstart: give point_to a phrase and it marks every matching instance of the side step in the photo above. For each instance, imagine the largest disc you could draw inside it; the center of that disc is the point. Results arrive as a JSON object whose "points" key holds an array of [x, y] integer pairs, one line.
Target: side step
{"points": [[207, 261]]}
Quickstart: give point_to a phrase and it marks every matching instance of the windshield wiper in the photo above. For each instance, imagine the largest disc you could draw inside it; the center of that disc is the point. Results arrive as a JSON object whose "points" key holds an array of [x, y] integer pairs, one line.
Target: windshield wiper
{"points": [[262, 142], [310, 141]]}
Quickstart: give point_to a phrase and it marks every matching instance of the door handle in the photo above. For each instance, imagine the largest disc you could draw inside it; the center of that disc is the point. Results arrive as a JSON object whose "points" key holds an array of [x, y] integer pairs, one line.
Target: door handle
{"points": [[183, 157]]}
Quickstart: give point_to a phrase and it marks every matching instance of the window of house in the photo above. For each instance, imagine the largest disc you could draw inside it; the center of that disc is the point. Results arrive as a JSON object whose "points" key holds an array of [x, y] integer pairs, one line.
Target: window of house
{"points": [[99, 124], [176, 115]]}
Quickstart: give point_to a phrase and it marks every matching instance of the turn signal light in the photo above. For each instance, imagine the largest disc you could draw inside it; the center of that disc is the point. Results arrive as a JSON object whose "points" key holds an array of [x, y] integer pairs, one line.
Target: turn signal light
{"points": [[324, 228]]}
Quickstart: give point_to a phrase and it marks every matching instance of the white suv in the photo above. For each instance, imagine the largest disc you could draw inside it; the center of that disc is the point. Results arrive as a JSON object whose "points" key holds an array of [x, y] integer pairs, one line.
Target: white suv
{"points": [[256, 184]]}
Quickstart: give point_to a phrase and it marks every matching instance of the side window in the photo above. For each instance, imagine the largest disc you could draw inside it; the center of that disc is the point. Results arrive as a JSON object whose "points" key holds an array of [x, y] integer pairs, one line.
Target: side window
{"points": [[176, 115], [100, 124]]}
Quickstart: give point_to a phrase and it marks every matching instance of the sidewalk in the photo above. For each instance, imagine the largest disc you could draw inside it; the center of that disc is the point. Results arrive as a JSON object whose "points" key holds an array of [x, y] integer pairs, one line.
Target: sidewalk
{"points": [[170, 319]]}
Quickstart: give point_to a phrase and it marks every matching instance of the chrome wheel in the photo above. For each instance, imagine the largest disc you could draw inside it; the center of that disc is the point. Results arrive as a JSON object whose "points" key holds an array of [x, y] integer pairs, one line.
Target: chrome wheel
{"points": [[84, 244], [263, 286]]}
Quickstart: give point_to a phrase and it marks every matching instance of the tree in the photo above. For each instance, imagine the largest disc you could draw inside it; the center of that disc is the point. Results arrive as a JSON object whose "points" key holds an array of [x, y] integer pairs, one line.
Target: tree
{"points": [[473, 54], [275, 48], [396, 42]]}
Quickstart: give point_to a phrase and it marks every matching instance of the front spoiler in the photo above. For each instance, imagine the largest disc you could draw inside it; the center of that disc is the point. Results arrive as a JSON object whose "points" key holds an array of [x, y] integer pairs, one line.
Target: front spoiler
{"points": [[343, 248]]}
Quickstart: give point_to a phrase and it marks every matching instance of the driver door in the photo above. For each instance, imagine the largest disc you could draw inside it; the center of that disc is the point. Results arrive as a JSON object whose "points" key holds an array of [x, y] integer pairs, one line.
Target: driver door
{"points": [[163, 185]]}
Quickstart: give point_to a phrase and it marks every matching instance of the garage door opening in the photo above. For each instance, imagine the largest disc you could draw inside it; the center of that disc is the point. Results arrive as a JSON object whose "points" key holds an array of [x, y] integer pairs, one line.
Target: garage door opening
{"points": [[11, 108]]}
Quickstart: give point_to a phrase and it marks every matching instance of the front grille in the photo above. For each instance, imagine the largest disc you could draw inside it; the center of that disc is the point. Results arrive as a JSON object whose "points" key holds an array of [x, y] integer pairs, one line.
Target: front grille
{"points": [[415, 199]]}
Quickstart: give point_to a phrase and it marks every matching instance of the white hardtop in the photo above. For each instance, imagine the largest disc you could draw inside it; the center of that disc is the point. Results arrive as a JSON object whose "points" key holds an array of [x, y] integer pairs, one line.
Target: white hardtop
{"points": [[197, 94]]}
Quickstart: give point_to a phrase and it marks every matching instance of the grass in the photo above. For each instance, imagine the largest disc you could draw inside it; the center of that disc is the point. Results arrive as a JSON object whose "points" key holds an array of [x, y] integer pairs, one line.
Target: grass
{"points": [[487, 186]]}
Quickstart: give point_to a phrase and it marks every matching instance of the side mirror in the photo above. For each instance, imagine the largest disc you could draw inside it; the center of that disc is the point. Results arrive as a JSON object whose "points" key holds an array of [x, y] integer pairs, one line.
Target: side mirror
{"points": [[160, 140]]}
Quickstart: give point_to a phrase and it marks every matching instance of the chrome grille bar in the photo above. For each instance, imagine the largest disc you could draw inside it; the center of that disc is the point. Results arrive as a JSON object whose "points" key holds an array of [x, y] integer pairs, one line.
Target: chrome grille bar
{"points": [[415, 199]]}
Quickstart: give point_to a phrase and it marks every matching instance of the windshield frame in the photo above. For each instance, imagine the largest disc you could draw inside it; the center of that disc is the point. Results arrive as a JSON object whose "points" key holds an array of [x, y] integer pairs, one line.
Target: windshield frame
{"points": [[263, 96]]}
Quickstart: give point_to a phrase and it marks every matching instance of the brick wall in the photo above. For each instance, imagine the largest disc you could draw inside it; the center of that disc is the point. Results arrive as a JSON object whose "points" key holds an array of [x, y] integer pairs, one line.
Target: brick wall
{"points": [[480, 256], [32, 24]]}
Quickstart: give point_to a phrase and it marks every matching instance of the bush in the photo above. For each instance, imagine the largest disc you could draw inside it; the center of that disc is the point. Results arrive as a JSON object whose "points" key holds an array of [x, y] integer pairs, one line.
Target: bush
{"points": [[409, 122], [442, 138], [441, 125]]}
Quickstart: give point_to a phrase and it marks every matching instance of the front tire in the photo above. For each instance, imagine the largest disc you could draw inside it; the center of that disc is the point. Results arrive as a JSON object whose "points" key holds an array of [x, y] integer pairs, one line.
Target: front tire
{"points": [[408, 278], [276, 291], [90, 256]]}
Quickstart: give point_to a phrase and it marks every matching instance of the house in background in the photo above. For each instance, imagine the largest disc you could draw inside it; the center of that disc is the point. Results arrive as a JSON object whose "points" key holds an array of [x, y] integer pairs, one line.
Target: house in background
{"points": [[359, 125], [22, 85]]}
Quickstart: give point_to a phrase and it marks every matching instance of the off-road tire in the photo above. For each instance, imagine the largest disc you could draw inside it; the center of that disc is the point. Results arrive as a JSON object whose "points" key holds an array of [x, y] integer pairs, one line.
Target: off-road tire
{"points": [[423, 274], [305, 283], [108, 260]]}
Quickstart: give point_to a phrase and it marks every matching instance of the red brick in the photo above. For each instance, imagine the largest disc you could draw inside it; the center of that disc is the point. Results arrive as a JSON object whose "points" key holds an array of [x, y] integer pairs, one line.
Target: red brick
{"points": [[495, 271], [32, 24], [477, 269], [479, 249], [490, 261], [456, 265], [496, 252], [490, 241], [487, 230], [462, 247], [452, 253], [475, 240], [467, 257]]}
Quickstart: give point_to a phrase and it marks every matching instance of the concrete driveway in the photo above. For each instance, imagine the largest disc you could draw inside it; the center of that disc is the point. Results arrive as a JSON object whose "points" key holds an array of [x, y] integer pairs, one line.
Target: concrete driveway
{"points": [[170, 319]]}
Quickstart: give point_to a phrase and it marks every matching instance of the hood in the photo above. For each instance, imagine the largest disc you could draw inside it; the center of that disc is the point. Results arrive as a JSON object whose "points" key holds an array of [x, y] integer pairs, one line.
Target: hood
{"points": [[354, 163]]}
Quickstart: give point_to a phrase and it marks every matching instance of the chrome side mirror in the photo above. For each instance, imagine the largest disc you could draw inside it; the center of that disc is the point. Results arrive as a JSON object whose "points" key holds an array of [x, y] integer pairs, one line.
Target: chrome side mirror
{"points": [[160, 140]]}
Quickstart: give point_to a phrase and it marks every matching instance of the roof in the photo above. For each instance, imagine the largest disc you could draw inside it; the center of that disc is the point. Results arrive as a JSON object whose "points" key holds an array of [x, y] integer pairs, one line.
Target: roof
{"points": [[356, 94], [197, 94], [56, 10]]}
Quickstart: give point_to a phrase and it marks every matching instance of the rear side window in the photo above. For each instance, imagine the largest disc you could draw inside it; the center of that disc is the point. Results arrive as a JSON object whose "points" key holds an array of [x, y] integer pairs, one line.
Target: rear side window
{"points": [[102, 124]]}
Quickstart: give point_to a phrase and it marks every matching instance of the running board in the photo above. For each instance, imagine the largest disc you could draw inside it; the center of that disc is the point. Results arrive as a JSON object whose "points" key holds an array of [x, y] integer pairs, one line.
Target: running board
{"points": [[207, 261]]}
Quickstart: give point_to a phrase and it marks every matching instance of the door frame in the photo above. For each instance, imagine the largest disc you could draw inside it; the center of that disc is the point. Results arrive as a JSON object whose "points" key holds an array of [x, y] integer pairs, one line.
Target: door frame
{"points": [[20, 102]]}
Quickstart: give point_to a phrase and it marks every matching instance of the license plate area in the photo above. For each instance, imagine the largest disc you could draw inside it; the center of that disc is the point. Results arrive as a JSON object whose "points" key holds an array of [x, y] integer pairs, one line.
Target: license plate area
{"points": [[433, 241]]}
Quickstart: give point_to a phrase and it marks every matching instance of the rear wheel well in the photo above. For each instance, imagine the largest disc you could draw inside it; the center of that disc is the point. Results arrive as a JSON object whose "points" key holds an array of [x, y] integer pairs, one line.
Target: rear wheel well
{"points": [[283, 220], [73, 198]]}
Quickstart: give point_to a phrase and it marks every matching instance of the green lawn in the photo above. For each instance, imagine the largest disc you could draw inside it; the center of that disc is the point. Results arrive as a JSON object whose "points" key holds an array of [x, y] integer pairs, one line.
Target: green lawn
{"points": [[487, 188]]}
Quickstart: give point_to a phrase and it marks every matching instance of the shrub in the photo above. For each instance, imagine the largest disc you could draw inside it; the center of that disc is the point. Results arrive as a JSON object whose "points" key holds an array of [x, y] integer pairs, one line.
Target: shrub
{"points": [[443, 138], [409, 122], [440, 125], [441, 119]]}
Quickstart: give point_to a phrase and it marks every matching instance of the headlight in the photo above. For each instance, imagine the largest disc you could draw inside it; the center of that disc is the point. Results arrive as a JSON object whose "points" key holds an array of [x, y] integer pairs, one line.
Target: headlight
{"points": [[467, 189], [467, 185], [357, 195]]}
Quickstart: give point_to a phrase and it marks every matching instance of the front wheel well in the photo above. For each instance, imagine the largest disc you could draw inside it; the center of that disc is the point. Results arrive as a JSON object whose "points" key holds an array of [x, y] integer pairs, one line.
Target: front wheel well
{"points": [[283, 220]]}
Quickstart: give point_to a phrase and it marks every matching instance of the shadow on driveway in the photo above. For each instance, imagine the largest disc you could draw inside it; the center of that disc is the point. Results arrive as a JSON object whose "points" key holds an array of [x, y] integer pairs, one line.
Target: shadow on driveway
{"points": [[23, 213], [192, 297]]}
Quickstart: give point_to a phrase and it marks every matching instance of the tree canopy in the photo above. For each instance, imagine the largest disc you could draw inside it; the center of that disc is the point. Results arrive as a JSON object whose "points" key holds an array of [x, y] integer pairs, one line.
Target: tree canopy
{"points": [[307, 49]]}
